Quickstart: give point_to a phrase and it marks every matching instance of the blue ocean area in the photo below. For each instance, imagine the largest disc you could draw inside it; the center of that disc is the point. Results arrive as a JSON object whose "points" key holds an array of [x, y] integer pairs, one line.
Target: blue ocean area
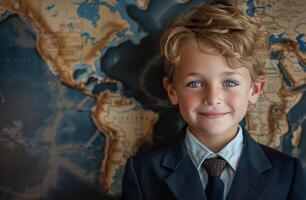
{"points": [[301, 42], [86, 36], [90, 11], [92, 77], [275, 55], [50, 7], [70, 26], [278, 39], [32, 94], [250, 8], [302, 65], [27, 97], [7, 29], [4, 15], [112, 87], [137, 33], [98, 70], [81, 72], [22, 81], [285, 77]]}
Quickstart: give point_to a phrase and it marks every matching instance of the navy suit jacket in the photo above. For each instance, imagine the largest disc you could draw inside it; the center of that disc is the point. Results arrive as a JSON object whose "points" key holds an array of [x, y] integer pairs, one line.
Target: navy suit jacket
{"points": [[168, 173]]}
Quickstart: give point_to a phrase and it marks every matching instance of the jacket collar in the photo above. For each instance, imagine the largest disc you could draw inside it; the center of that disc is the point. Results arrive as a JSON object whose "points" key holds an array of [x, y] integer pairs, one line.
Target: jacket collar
{"points": [[249, 181], [184, 181]]}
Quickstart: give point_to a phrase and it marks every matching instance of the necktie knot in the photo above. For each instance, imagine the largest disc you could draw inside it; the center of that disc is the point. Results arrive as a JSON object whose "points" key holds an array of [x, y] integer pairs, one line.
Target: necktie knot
{"points": [[214, 166]]}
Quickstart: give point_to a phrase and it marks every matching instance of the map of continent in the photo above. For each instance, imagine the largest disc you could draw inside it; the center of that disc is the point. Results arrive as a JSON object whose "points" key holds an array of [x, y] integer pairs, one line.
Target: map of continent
{"points": [[81, 91]]}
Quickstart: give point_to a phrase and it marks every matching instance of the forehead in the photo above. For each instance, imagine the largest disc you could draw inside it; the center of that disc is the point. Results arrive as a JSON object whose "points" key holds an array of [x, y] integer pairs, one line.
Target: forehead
{"points": [[194, 44], [204, 58], [195, 52]]}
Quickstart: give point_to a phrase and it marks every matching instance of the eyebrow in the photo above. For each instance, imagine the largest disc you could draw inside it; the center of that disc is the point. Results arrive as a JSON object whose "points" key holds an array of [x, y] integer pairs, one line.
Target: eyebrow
{"points": [[231, 73], [222, 73]]}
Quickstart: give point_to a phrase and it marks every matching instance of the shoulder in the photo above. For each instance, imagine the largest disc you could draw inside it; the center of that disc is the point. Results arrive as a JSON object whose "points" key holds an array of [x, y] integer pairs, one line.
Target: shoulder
{"points": [[152, 156], [280, 159], [262, 155], [284, 168], [289, 170], [166, 155], [275, 154]]}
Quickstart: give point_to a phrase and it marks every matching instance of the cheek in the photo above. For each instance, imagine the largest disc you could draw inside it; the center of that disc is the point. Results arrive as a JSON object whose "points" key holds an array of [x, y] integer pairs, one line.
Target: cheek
{"points": [[188, 101], [238, 101]]}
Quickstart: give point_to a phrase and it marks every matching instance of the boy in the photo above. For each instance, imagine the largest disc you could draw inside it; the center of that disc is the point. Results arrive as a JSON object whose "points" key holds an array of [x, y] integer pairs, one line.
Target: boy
{"points": [[214, 61]]}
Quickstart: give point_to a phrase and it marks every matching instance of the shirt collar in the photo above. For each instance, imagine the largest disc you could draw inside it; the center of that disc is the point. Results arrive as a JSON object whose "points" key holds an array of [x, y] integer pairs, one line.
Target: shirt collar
{"points": [[199, 152]]}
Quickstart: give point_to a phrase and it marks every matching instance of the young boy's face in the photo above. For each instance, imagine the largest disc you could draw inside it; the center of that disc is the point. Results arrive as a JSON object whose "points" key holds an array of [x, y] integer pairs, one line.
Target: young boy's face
{"points": [[212, 97]]}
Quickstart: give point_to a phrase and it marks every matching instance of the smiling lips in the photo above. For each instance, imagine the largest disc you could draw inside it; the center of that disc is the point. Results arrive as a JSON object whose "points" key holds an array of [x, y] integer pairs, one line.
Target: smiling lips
{"points": [[213, 115]]}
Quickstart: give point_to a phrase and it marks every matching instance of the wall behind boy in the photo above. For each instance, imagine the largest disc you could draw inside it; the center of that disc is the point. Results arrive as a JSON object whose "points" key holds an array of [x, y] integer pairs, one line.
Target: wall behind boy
{"points": [[80, 91]]}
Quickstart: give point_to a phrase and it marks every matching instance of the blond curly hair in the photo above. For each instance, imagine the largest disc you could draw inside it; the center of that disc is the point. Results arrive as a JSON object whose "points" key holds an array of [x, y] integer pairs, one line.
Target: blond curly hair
{"points": [[227, 29]]}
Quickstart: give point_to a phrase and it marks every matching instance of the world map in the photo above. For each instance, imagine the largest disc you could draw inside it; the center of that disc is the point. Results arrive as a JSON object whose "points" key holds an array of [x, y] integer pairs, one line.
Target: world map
{"points": [[81, 92]]}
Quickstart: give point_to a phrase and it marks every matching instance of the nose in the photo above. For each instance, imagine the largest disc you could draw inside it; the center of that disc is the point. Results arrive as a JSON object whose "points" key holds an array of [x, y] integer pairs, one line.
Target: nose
{"points": [[212, 96]]}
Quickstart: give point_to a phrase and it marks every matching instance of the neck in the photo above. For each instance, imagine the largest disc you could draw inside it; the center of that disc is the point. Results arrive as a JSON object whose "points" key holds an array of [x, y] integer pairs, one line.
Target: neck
{"points": [[215, 143]]}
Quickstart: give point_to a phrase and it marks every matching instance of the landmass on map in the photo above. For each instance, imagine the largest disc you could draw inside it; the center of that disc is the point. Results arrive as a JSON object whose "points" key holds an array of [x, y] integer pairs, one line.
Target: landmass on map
{"points": [[267, 120], [72, 36], [126, 126]]}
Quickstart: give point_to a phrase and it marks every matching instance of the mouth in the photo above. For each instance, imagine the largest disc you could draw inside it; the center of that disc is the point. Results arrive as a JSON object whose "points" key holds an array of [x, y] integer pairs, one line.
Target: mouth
{"points": [[213, 115]]}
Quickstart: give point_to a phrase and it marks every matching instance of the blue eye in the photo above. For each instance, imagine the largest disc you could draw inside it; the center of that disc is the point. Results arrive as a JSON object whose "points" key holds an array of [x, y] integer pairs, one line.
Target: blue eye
{"points": [[230, 83], [194, 84]]}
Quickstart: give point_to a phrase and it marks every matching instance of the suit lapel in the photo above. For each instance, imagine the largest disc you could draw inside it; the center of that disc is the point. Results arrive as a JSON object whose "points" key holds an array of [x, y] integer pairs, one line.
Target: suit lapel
{"points": [[184, 181], [249, 183]]}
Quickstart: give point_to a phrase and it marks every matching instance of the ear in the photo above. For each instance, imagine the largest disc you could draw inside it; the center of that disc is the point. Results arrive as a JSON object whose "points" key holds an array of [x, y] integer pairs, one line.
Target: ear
{"points": [[170, 91], [256, 90]]}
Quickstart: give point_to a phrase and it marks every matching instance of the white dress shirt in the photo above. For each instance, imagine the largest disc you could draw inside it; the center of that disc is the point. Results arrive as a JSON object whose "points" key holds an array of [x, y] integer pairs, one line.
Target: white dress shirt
{"points": [[231, 153]]}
